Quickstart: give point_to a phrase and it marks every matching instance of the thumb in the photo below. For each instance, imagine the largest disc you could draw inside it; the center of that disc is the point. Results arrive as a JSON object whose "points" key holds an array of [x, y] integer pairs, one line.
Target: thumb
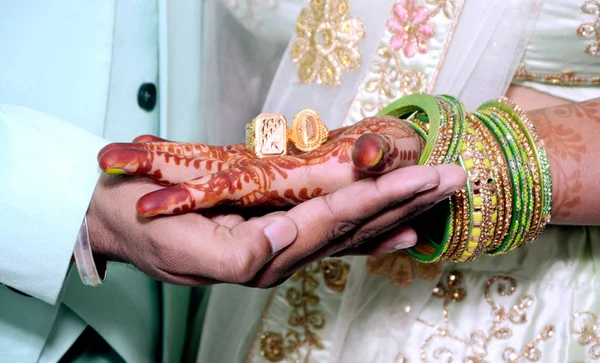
{"points": [[379, 153]]}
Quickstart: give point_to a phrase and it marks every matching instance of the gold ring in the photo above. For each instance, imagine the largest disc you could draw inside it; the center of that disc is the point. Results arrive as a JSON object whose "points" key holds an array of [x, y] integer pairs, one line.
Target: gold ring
{"points": [[308, 132], [266, 135]]}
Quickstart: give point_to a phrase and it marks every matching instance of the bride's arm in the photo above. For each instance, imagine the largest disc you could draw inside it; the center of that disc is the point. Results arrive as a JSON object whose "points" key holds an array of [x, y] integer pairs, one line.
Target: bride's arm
{"points": [[571, 133]]}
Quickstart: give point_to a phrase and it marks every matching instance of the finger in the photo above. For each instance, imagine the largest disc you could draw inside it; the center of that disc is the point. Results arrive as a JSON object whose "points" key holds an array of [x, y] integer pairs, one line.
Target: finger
{"points": [[290, 180], [227, 254], [274, 181], [163, 167], [328, 224], [178, 148], [383, 143], [452, 178], [378, 154], [399, 238], [239, 186], [326, 218], [149, 138]]}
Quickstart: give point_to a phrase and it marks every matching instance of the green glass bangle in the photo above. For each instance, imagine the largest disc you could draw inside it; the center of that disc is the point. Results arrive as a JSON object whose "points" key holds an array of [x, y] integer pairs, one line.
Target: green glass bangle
{"points": [[539, 151], [524, 220], [459, 115], [530, 171], [439, 128], [525, 173], [427, 250], [515, 180]]}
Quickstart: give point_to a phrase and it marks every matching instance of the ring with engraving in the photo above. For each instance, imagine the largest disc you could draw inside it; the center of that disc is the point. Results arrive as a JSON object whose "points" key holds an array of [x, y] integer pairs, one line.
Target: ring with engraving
{"points": [[266, 135], [308, 131]]}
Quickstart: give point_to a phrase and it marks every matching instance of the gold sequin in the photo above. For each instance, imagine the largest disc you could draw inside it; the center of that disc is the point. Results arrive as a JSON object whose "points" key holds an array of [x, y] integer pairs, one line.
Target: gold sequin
{"points": [[565, 78], [591, 28], [584, 325], [306, 317], [401, 269], [327, 42], [444, 342]]}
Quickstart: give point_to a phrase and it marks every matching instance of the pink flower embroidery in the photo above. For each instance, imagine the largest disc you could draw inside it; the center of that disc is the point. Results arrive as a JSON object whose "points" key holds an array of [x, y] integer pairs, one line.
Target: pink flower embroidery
{"points": [[411, 27]]}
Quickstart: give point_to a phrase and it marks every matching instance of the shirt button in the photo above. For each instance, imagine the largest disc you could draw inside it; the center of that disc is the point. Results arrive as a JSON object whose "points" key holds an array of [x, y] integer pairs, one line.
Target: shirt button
{"points": [[147, 96]]}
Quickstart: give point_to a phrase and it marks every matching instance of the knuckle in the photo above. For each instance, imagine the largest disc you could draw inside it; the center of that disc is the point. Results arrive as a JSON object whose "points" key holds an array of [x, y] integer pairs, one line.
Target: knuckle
{"points": [[240, 267], [361, 236], [338, 227]]}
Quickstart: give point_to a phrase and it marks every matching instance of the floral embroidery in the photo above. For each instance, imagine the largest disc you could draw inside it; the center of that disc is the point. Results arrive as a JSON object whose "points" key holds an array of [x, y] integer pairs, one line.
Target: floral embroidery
{"points": [[326, 43], [401, 269], [592, 28], [439, 345], [585, 326], [566, 77], [306, 317], [448, 6], [411, 27], [392, 81], [409, 31], [249, 11]]}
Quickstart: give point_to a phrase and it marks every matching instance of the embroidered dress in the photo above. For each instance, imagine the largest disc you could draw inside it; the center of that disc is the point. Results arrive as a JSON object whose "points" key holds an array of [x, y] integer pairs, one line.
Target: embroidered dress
{"points": [[539, 303]]}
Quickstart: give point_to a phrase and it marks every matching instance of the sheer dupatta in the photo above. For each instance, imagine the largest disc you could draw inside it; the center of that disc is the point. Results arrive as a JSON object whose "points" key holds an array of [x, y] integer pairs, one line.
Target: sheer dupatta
{"points": [[373, 319]]}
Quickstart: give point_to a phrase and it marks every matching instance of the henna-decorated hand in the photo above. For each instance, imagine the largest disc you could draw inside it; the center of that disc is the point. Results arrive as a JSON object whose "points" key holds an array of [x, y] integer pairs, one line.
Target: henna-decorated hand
{"points": [[205, 176]]}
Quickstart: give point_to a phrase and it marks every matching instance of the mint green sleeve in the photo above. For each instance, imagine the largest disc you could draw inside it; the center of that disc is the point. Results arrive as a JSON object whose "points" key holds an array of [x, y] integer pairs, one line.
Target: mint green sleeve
{"points": [[49, 172]]}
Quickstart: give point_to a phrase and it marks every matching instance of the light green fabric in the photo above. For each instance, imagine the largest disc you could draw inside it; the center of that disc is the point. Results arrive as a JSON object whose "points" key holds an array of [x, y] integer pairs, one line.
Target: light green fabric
{"points": [[75, 67]]}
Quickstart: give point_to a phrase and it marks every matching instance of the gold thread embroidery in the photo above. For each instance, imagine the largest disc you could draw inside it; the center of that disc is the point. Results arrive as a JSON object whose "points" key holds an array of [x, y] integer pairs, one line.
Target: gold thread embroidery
{"points": [[566, 77], [478, 341], [592, 28], [261, 326], [408, 32], [249, 11], [401, 269], [585, 326], [400, 358], [306, 317], [393, 81], [326, 42]]}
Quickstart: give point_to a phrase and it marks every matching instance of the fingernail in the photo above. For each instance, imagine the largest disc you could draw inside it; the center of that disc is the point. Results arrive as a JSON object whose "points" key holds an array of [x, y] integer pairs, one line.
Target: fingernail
{"points": [[403, 244], [115, 171], [427, 187], [280, 233], [368, 151]]}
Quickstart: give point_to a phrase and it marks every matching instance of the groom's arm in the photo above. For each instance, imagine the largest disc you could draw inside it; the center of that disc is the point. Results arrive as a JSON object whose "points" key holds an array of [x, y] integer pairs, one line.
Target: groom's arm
{"points": [[49, 173]]}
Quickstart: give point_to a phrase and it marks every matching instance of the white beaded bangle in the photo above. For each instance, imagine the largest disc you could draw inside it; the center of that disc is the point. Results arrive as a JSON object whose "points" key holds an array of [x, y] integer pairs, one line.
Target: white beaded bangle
{"points": [[84, 258]]}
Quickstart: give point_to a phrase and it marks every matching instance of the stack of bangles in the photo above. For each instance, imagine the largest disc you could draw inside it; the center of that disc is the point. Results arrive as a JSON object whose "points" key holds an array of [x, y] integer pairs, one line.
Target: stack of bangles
{"points": [[507, 200]]}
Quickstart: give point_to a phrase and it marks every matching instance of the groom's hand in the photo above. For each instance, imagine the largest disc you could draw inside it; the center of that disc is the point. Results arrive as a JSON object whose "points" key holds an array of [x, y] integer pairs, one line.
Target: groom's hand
{"points": [[192, 249]]}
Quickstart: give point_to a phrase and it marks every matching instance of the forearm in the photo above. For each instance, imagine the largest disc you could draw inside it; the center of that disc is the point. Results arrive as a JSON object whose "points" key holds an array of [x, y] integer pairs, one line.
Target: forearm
{"points": [[50, 175], [571, 134]]}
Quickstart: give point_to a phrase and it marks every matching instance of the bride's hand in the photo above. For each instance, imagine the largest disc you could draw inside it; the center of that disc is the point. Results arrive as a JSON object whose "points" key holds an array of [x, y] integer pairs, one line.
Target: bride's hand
{"points": [[203, 176]]}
